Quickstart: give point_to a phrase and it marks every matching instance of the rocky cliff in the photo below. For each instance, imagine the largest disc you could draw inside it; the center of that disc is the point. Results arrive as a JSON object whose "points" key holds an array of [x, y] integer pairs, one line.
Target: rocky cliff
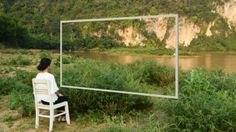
{"points": [[188, 30]]}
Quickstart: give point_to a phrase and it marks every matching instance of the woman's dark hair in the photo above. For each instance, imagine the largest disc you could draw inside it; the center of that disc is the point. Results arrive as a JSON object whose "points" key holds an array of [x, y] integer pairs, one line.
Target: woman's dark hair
{"points": [[44, 63]]}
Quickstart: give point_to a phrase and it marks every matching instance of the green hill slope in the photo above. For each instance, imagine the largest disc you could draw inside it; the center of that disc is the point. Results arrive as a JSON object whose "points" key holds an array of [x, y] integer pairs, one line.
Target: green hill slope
{"points": [[41, 18]]}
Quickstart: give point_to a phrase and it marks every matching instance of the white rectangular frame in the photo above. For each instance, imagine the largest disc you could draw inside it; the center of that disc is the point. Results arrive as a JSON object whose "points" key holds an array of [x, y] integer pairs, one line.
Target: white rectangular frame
{"points": [[176, 96]]}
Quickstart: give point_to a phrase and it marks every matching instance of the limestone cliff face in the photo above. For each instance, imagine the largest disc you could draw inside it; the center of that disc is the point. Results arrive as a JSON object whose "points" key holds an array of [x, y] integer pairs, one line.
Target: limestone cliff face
{"points": [[159, 27], [188, 30], [131, 37], [228, 11]]}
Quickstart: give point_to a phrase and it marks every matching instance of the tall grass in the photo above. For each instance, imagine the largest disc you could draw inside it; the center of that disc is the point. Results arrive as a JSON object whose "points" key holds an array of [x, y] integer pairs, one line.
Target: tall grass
{"points": [[142, 77], [207, 98], [207, 102], [18, 61]]}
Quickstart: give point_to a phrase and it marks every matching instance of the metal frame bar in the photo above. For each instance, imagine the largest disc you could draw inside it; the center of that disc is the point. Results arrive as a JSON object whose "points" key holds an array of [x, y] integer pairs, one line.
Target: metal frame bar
{"points": [[176, 96]]}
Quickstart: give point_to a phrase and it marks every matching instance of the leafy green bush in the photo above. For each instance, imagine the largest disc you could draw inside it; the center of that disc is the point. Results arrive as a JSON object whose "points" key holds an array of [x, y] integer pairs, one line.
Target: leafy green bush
{"points": [[204, 43], [65, 60], [45, 54], [20, 91], [22, 101], [6, 85], [22, 81], [105, 75], [21, 98], [25, 76], [207, 102], [20, 60], [153, 73]]}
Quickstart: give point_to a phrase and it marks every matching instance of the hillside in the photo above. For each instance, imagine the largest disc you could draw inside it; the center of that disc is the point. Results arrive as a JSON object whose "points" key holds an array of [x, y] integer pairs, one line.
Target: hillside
{"points": [[209, 24]]}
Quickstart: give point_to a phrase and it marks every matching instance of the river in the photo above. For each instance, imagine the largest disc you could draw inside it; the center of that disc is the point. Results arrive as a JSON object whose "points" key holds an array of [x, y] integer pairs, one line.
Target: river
{"points": [[224, 61]]}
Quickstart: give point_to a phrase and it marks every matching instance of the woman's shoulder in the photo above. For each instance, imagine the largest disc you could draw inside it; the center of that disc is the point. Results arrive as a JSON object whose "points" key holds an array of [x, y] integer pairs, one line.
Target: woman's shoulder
{"points": [[45, 74]]}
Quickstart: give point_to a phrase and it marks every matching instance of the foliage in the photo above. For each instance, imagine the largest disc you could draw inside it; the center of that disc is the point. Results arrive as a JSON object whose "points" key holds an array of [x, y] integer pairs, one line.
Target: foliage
{"points": [[65, 60], [6, 85], [22, 100], [41, 19], [105, 75], [17, 61], [45, 54], [230, 42], [20, 92], [206, 103], [11, 33], [20, 60], [9, 119], [140, 50], [204, 43], [153, 74]]}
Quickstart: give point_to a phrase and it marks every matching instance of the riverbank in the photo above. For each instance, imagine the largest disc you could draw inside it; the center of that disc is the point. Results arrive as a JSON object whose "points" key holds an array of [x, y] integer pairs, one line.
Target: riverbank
{"points": [[204, 93], [135, 51]]}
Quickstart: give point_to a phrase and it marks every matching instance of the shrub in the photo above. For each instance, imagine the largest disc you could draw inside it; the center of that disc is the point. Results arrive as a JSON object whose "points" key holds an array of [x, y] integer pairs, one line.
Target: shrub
{"points": [[105, 75], [20, 91], [20, 60], [25, 76], [205, 104], [153, 73], [65, 60], [45, 54], [21, 99], [6, 85]]}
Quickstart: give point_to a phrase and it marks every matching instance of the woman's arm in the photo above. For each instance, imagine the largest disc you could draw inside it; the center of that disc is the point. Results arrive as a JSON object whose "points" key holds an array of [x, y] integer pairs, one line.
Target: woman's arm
{"points": [[55, 89]]}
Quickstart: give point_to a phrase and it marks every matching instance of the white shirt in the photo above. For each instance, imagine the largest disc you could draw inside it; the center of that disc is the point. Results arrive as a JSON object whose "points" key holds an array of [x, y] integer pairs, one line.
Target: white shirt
{"points": [[54, 88]]}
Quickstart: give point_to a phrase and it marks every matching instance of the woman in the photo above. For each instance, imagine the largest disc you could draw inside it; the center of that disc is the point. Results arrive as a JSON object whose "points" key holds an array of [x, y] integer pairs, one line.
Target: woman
{"points": [[57, 97]]}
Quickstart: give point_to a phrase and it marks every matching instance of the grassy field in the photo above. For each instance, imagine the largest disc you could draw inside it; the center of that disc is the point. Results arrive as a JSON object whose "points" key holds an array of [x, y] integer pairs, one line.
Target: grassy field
{"points": [[207, 98]]}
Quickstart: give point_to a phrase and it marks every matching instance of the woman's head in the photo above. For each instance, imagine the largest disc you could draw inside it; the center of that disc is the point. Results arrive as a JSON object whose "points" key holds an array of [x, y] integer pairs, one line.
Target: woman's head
{"points": [[44, 64]]}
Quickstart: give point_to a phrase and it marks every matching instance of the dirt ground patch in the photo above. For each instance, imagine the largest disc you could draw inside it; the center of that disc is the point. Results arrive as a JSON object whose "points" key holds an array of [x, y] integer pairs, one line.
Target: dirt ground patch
{"points": [[11, 121]]}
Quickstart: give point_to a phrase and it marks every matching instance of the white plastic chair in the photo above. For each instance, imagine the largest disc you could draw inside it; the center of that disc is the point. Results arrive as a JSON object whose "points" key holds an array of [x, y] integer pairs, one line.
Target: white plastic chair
{"points": [[42, 87]]}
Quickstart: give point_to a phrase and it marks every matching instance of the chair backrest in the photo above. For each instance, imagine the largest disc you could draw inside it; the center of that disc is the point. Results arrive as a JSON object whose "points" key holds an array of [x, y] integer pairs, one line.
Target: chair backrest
{"points": [[41, 87]]}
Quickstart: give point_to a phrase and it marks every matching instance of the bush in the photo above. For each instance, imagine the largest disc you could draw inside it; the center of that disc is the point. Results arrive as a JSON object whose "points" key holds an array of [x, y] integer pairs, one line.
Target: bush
{"points": [[21, 98], [22, 101], [153, 73], [6, 85], [105, 75], [45, 54], [20, 91], [25, 77], [206, 102], [20, 60], [65, 60]]}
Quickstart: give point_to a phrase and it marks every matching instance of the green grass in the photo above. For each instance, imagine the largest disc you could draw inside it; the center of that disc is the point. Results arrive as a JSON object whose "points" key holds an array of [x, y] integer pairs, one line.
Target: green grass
{"points": [[140, 50], [207, 98], [207, 102], [9, 119]]}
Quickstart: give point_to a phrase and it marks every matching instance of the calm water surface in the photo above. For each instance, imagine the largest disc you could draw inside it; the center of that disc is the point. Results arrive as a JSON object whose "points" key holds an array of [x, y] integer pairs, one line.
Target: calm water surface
{"points": [[224, 61]]}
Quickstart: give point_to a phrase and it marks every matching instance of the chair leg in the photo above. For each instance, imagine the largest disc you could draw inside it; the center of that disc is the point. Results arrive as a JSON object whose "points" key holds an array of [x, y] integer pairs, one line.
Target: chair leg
{"points": [[67, 114], [37, 119], [51, 120]]}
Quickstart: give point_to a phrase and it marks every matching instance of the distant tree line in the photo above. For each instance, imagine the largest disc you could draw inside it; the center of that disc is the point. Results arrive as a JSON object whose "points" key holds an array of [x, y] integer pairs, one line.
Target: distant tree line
{"points": [[35, 24], [13, 35]]}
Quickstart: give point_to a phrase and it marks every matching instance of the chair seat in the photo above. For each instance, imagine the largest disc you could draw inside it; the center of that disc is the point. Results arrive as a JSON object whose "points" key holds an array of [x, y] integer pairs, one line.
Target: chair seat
{"points": [[55, 106]]}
